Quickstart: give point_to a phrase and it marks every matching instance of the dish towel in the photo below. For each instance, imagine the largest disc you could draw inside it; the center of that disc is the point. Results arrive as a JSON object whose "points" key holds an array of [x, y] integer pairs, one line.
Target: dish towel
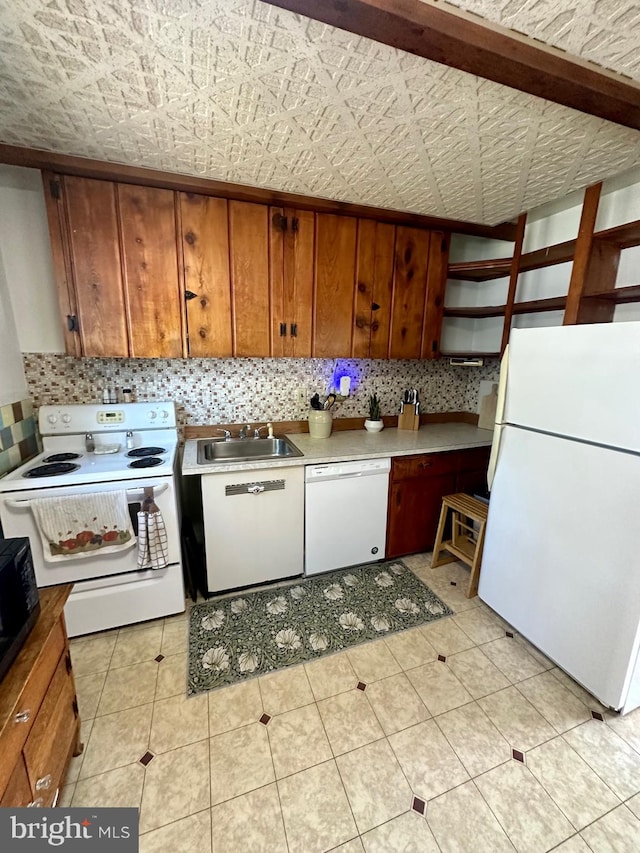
{"points": [[152, 536], [78, 526]]}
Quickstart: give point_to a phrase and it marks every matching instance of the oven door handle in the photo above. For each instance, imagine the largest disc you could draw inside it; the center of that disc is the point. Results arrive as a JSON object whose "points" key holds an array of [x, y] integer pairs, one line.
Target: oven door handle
{"points": [[138, 495], [133, 496]]}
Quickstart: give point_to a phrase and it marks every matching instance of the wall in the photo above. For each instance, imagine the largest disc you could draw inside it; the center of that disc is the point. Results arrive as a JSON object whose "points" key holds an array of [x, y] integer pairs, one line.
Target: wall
{"points": [[17, 427], [210, 391], [25, 248]]}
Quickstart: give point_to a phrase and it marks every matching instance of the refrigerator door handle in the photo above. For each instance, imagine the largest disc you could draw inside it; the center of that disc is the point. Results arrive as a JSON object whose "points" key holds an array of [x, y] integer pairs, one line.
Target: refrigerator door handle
{"points": [[495, 453], [502, 386], [497, 431]]}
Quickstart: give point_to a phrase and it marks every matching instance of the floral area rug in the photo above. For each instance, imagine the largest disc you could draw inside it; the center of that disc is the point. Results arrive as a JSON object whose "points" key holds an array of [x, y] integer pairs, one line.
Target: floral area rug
{"points": [[235, 638]]}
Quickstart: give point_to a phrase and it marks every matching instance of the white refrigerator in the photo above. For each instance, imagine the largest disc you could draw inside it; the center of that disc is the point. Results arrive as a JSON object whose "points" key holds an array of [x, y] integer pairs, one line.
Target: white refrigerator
{"points": [[561, 559]]}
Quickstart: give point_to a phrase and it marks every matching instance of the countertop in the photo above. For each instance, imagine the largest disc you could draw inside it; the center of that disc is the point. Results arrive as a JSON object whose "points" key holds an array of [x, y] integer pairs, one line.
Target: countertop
{"points": [[345, 445]]}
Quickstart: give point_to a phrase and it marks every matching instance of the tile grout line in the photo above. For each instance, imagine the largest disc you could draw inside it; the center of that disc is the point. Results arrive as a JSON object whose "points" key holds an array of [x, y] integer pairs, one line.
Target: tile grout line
{"points": [[273, 765]]}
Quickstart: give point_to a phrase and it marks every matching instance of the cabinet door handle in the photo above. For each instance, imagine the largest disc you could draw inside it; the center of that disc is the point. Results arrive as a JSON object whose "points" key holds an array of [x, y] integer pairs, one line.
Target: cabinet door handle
{"points": [[294, 223], [283, 329], [44, 783], [22, 716], [424, 465], [255, 489], [294, 330]]}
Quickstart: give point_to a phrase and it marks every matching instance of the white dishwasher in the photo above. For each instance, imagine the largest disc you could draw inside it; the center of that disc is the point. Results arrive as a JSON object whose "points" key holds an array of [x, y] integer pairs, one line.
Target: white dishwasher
{"points": [[253, 526], [345, 514]]}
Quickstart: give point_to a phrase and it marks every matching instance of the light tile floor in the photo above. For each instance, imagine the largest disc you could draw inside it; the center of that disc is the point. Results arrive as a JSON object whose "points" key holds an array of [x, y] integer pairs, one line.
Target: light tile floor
{"points": [[457, 736]]}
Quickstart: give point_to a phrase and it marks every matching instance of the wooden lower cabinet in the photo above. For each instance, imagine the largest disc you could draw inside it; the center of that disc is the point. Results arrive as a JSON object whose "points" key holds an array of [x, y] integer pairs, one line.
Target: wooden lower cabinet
{"points": [[416, 488], [39, 721]]}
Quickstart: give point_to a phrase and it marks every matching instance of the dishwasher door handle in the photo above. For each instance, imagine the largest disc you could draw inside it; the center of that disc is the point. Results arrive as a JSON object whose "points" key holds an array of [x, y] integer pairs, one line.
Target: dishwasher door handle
{"points": [[254, 488]]}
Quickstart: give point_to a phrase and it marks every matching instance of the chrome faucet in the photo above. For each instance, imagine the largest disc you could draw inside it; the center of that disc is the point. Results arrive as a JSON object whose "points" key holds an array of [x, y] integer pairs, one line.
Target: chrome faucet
{"points": [[226, 432], [243, 432], [268, 427]]}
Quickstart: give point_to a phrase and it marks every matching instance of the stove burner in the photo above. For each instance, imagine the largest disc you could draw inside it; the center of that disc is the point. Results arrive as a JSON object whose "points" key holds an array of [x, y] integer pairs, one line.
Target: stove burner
{"points": [[146, 462], [61, 457], [146, 451], [51, 470]]}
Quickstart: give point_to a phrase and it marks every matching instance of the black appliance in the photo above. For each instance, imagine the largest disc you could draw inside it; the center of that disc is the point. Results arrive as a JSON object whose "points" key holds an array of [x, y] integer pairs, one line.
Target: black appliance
{"points": [[19, 599]]}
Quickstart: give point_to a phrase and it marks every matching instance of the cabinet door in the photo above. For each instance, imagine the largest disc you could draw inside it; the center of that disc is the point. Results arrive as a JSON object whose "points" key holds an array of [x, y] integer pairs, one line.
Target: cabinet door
{"points": [[249, 257], [18, 790], [150, 259], [335, 268], [299, 243], [472, 470], [291, 240], [51, 738], [374, 284], [94, 250], [409, 292], [414, 511], [436, 286], [205, 248]]}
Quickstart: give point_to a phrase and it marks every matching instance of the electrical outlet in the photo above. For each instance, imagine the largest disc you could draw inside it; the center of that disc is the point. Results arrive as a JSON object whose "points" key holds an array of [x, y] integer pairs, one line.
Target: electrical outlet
{"points": [[301, 396]]}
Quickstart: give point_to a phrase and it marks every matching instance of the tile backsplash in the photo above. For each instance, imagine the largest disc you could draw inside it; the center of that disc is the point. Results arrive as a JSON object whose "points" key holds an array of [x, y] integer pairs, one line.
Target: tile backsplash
{"points": [[17, 435], [233, 390]]}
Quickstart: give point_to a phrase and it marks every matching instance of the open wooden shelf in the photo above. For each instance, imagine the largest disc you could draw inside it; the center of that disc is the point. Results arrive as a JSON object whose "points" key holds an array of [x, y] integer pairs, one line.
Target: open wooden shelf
{"points": [[623, 236], [592, 293], [619, 295], [479, 270], [535, 306]]}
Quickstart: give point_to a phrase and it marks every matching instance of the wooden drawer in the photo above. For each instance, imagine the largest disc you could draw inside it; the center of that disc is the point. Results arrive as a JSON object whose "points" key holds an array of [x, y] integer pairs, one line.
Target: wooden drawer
{"points": [[49, 741], [31, 698], [18, 790], [423, 465]]}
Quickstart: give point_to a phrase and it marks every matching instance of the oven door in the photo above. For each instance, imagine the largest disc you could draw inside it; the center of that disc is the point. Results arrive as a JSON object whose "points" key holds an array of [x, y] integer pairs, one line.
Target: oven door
{"points": [[18, 520]]}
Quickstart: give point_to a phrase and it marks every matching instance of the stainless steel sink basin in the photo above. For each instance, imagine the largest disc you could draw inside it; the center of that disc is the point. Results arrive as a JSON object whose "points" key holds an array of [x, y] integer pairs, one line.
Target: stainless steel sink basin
{"points": [[245, 450]]}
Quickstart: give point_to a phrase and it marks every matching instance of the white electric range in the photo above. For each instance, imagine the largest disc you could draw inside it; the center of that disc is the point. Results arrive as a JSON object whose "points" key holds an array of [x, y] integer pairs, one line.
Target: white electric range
{"points": [[89, 449]]}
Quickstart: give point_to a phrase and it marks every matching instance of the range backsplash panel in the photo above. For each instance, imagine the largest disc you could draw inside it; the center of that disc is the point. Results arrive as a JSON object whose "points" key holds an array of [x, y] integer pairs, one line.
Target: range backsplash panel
{"points": [[235, 390]]}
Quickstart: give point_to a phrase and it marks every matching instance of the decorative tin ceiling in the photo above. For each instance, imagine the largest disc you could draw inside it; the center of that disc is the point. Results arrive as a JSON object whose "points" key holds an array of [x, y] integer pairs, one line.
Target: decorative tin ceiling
{"points": [[240, 91]]}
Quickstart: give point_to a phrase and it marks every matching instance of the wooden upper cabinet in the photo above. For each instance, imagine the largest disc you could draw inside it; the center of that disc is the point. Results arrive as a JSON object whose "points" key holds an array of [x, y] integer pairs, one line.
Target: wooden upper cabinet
{"points": [[335, 269], [374, 288], [93, 253], [150, 261], [409, 292], [205, 249], [292, 239], [436, 286], [249, 261]]}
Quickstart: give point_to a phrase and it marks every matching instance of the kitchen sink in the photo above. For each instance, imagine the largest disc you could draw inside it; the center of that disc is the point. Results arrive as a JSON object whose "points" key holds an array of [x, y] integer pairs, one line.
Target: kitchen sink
{"points": [[245, 450]]}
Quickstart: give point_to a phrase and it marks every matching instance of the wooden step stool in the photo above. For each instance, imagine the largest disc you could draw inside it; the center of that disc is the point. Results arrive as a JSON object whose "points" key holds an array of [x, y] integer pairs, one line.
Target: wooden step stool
{"points": [[466, 543]]}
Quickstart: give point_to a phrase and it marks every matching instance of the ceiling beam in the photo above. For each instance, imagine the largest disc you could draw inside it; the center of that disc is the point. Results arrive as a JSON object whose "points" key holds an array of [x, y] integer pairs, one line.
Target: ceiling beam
{"points": [[461, 40], [68, 164]]}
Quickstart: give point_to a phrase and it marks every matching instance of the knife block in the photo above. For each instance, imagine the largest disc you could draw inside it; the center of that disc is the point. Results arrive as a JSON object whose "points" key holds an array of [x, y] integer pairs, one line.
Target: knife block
{"points": [[408, 419]]}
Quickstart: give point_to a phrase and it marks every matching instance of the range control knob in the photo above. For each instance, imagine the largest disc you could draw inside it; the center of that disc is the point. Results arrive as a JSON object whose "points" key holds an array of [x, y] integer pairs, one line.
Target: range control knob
{"points": [[165, 414], [153, 415], [66, 419], [53, 419]]}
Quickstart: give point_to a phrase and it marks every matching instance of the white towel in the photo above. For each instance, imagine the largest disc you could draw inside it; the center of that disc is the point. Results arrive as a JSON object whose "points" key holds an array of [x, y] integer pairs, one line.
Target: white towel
{"points": [[152, 535], [78, 526]]}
